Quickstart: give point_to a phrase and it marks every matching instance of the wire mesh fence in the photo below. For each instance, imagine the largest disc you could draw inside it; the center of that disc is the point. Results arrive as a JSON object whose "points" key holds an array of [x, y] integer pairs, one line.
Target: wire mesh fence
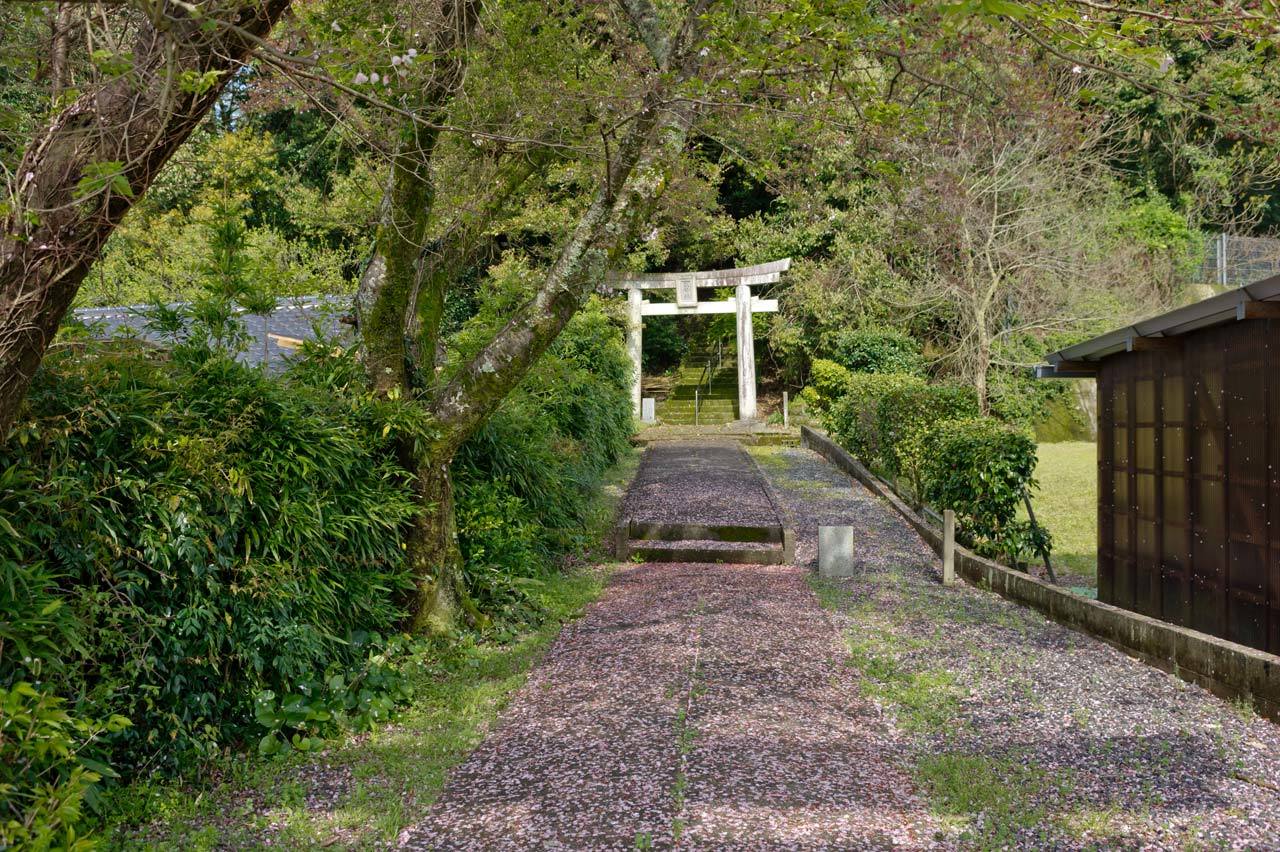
{"points": [[1234, 261]]}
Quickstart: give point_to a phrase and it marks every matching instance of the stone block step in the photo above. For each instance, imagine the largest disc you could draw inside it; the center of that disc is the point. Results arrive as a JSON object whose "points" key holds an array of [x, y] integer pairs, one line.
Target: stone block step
{"points": [[704, 405], [712, 420], [708, 550], [703, 416], [659, 531]]}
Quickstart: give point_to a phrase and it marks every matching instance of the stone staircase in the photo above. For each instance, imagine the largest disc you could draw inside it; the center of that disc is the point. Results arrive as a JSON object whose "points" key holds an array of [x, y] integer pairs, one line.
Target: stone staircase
{"points": [[714, 405]]}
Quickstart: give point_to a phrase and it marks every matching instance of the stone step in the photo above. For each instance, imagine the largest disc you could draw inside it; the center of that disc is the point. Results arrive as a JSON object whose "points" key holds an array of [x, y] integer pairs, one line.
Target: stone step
{"points": [[660, 531], [707, 550], [705, 405], [688, 413]]}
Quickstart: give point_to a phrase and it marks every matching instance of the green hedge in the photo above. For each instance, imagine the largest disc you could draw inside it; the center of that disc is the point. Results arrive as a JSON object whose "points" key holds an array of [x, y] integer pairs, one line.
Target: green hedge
{"points": [[878, 350], [851, 420], [946, 455], [828, 382], [981, 469], [906, 410]]}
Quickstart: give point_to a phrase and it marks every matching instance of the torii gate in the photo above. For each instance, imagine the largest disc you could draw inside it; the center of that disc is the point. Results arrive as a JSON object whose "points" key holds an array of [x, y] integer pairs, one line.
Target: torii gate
{"points": [[686, 285]]}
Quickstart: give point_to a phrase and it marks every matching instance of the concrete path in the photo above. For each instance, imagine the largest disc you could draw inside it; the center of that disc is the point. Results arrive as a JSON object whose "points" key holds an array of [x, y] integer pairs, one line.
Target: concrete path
{"points": [[704, 706]]}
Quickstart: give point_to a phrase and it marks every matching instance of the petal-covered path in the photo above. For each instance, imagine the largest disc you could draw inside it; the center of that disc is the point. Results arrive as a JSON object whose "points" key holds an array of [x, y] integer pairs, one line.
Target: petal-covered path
{"points": [[720, 707], [709, 704]]}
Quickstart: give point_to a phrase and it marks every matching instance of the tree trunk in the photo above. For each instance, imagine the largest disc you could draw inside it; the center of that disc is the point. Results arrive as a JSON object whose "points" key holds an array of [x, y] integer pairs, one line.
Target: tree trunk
{"points": [[402, 295], [982, 365], [60, 38], [84, 170], [431, 543]]}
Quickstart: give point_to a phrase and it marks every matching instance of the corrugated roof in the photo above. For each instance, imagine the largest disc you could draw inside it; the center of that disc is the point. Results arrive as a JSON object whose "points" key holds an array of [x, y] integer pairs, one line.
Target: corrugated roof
{"points": [[295, 318], [1216, 310]]}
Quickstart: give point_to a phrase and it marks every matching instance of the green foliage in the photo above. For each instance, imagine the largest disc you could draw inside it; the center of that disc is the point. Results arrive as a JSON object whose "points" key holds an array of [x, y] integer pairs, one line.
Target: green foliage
{"points": [[1156, 226], [910, 408], [663, 344], [194, 533], [982, 470], [47, 773], [345, 698], [829, 380], [852, 419], [526, 481], [878, 350], [240, 205]]}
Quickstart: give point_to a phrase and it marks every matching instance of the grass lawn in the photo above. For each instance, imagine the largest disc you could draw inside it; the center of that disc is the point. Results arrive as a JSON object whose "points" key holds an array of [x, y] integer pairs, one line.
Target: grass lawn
{"points": [[361, 790], [1067, 504]]}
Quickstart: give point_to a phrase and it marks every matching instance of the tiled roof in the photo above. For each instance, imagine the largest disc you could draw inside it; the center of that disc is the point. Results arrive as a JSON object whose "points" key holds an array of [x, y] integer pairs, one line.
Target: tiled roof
{"points": [[295, 318]]}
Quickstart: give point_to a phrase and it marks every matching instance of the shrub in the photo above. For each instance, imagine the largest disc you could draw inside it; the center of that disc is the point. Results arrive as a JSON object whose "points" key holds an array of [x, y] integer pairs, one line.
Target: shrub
{"points": [[852, 419], [981, 470], [526, 482], [48, 771], [195, 533], [910, 408], [878, 350], [829, 381]]}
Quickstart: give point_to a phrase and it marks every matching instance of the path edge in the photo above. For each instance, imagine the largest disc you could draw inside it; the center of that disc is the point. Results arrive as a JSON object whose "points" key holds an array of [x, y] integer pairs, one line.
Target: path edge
{"points": [[1225, 668]]}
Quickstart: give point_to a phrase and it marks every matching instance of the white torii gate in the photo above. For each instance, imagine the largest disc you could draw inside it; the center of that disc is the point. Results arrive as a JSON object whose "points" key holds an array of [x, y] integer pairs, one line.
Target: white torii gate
{"points": [[686, 285]]}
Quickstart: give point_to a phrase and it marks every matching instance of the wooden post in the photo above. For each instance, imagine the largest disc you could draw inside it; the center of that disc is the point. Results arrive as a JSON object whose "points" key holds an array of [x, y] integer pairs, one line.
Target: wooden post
{"points": [[695, 406], [948, 547], [786, 415]]}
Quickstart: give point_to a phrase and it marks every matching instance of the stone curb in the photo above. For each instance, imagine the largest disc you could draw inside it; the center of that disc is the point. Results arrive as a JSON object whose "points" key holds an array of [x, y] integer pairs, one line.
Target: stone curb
{"points": [[1225, 668]]}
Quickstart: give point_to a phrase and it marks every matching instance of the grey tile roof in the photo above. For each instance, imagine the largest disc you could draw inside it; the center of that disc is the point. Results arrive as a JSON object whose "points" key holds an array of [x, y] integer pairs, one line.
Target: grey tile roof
{"points": [[295, 317]]}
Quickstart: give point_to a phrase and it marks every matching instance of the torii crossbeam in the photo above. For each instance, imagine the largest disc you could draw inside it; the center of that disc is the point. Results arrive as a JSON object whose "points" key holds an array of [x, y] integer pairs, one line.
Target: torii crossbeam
{"points": [[686, 285]]}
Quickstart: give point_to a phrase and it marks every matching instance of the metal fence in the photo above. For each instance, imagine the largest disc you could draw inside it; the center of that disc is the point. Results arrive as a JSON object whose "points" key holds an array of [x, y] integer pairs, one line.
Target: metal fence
{"points": [[1233, 261]]}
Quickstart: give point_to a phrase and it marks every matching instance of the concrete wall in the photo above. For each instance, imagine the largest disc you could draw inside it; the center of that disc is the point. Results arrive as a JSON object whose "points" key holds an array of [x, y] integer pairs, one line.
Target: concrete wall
{"points": [[1225, 668]]}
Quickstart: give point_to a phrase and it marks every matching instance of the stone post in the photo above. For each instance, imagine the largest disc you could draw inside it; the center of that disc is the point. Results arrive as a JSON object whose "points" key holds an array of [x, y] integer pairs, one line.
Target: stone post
{"points": [[635, 327], [746, 356]]}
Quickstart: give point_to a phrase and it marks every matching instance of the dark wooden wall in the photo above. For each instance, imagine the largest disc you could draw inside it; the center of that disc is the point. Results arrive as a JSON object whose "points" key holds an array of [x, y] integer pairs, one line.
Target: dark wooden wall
{"points": [[1189, 482]]}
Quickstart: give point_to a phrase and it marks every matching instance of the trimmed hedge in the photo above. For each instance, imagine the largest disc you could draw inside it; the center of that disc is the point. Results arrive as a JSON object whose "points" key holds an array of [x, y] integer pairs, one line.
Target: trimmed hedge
{"points": [[908, 409], [828, 381], [851, 420], [878, 350], [982, 469], [946, 454]]}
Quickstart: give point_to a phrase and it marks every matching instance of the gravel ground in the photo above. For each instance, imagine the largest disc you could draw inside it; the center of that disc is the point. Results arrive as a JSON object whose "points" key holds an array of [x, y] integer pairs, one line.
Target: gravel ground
{"points": [[695, 705], [708, 704], [698, 482], [1064, 741]]}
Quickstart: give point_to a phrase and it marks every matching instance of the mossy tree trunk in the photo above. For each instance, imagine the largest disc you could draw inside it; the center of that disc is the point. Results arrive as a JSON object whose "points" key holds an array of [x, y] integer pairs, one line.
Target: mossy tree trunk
{"points": [[402, 295]]}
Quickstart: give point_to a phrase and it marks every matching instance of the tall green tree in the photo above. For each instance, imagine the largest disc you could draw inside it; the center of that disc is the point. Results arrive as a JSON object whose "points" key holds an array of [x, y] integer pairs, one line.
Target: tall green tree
{"points": [[89, 161], [403, 291]]}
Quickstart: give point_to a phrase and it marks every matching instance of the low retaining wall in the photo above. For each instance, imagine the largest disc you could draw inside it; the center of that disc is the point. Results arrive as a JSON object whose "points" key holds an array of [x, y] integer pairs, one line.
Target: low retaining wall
{"points": [[1223, 667]]}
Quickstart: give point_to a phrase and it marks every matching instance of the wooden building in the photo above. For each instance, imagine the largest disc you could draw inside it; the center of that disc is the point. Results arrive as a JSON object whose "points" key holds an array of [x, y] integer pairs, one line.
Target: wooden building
{"points": [[1189, 463]]}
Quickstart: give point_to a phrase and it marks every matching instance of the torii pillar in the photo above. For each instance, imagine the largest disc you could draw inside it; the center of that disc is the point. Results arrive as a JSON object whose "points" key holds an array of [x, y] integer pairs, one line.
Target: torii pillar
{"points": [[635, 340], [746, 355], [686, 285]]}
